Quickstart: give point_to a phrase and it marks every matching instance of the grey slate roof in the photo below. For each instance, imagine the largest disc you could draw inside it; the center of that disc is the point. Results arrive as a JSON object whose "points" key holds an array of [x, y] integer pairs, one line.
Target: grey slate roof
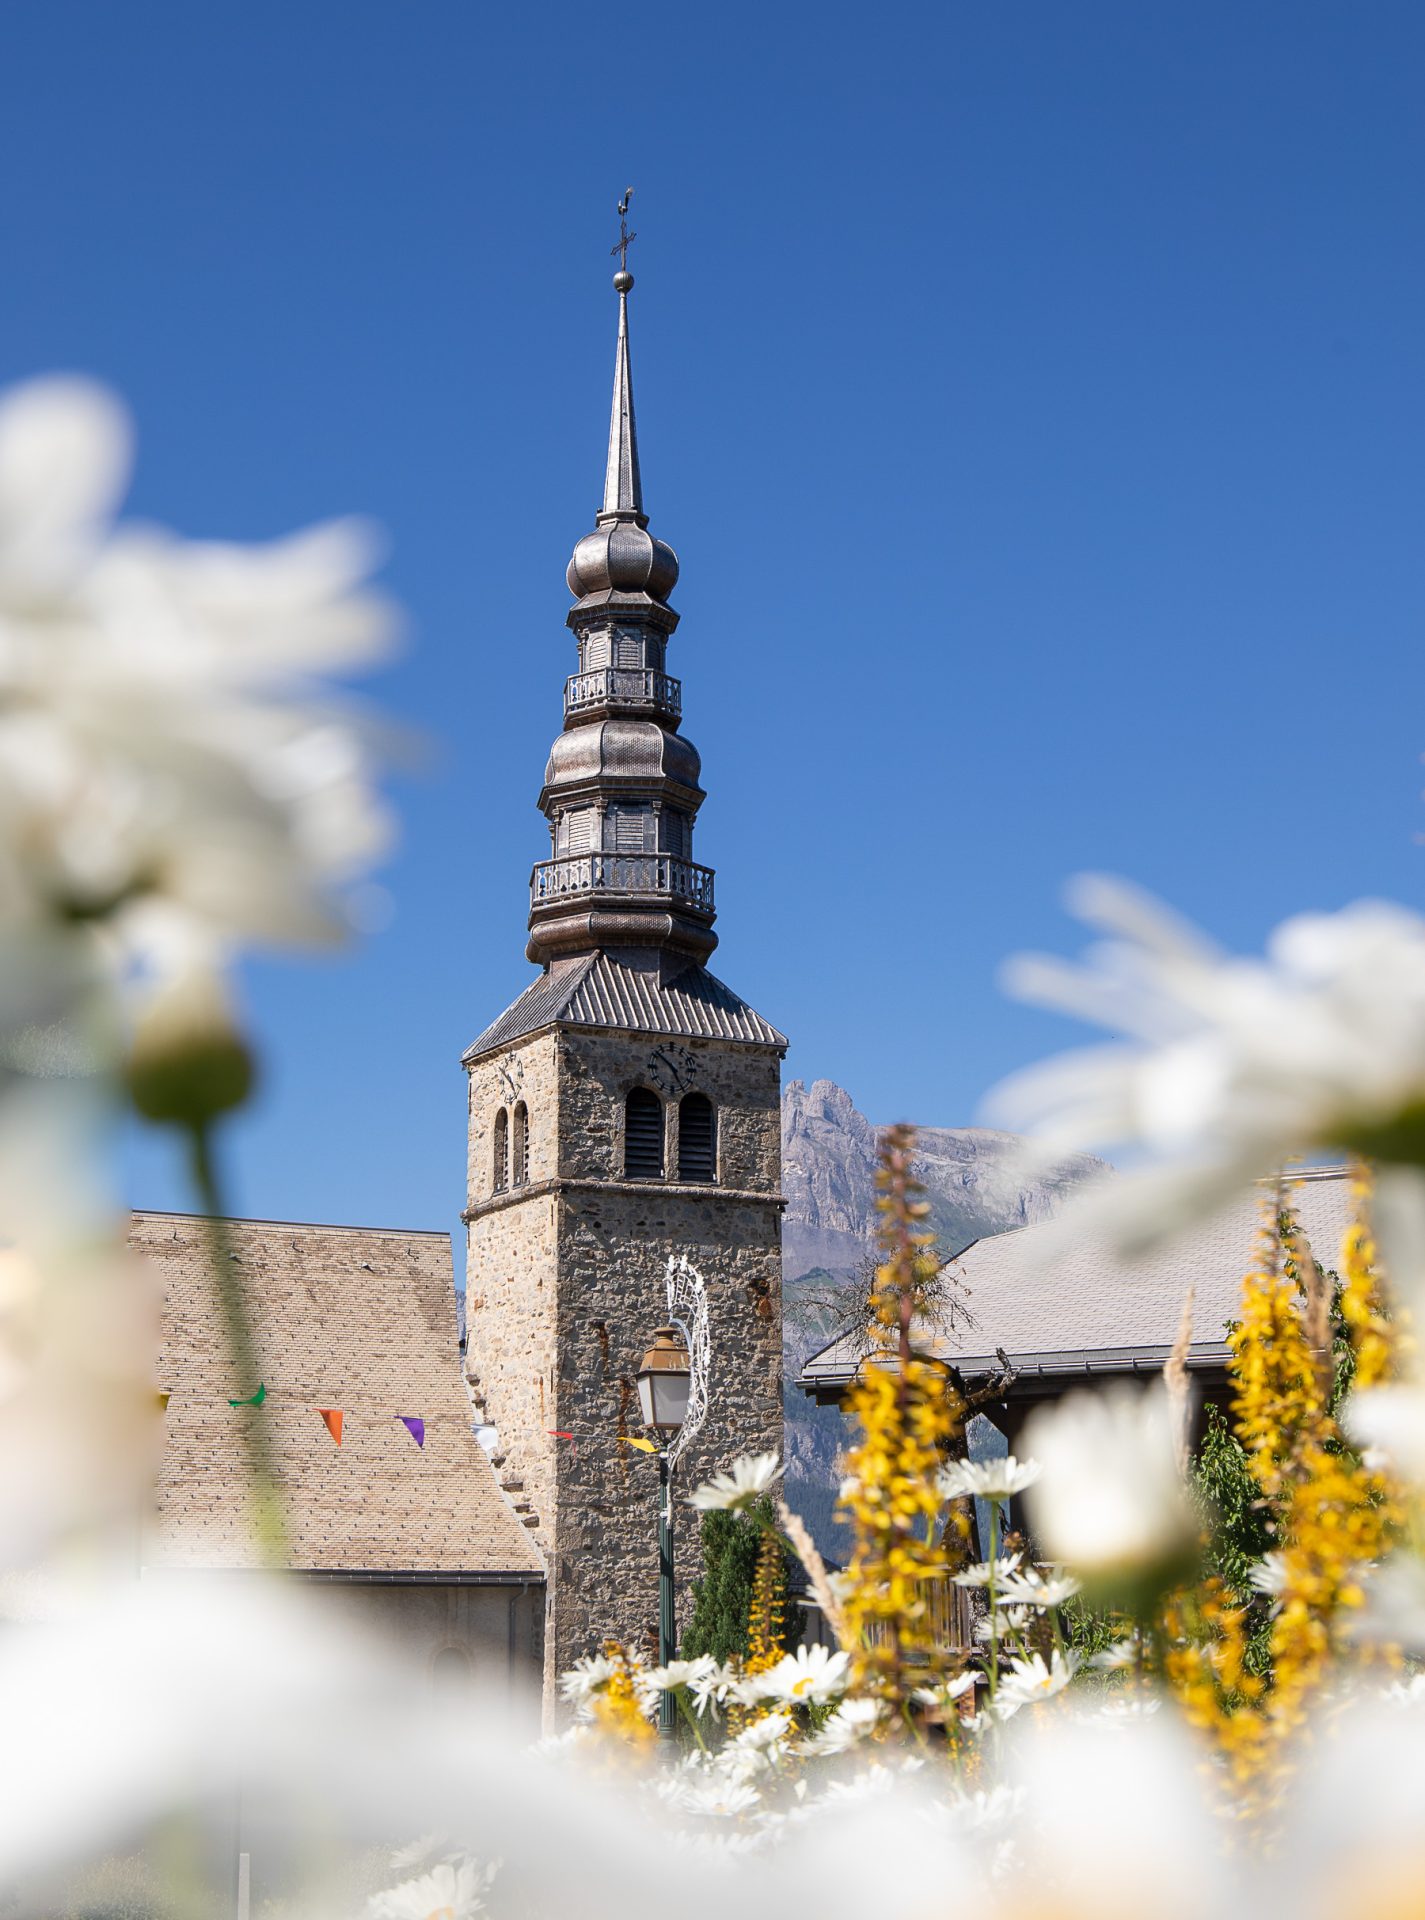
{"points": [[1060, 1304], [351, 1317], [600, 991]]}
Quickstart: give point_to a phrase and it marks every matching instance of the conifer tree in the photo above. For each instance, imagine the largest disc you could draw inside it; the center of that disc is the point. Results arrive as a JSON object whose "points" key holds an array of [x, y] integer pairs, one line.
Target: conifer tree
{"points": [[722, 1598]]}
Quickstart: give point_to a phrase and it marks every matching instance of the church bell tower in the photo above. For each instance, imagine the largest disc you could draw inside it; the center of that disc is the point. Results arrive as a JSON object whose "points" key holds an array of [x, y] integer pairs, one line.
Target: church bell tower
{"points": [[626, 1108]]}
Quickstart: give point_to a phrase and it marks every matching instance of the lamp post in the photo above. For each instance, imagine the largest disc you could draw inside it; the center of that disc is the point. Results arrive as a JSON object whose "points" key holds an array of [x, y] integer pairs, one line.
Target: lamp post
{"points": [[664, 1383]]}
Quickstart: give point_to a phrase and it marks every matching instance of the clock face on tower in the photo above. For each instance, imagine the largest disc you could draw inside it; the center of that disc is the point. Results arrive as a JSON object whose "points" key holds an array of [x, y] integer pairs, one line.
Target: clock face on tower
{"points": [[672, 1069], [511, 1072]]}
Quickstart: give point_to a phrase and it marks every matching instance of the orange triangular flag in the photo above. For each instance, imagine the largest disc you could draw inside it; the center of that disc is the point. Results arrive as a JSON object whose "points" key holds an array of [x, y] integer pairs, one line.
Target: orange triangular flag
{"points": [[332, 1416]]}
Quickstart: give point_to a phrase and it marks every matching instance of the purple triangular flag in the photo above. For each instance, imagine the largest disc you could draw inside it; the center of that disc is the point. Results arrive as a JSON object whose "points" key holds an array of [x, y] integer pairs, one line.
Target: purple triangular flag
{"points": [[415, 1427]]}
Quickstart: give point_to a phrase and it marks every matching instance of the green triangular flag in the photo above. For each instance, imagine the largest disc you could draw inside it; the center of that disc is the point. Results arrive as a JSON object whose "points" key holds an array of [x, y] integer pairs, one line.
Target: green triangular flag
{"points": [[256, 1400]]}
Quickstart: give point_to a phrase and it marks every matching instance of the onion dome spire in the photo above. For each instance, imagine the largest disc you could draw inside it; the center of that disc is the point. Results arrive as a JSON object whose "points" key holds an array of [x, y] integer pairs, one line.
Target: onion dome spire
{"points": [[622, 786]]}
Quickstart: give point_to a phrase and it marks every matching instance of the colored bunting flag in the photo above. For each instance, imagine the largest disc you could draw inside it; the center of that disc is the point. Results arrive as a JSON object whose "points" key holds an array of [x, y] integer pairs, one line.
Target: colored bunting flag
{"points": [[163, 1399], [332, 1416], [256, 1400], [414, 1426], [644, 1446]]}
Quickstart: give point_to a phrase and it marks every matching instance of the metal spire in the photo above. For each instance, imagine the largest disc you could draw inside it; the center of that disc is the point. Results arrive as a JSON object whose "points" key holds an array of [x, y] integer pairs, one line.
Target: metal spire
{"points": [[623, 488]]}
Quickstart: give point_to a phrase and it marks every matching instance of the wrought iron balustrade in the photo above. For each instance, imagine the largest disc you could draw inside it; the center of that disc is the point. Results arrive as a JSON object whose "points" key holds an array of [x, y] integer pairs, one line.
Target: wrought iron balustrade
{"points": [[623, 687], [582, 873]]}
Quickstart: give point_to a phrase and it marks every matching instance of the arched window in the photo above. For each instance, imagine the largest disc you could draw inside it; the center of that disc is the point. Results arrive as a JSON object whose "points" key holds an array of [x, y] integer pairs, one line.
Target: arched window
{"points": [[697, 1138], [451, 1676], [502, 1151], [643, 1136], [521, 1162]]}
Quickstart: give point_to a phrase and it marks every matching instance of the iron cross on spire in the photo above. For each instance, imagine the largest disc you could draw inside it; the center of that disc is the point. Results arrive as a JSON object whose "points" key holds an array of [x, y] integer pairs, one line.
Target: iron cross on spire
{"points": [[625, 238]]}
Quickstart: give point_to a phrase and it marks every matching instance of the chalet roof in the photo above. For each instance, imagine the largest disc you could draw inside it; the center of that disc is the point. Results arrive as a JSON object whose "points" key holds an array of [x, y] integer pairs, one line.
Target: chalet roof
{"points": [[359, 1318], [599, 991], [1060, 1306]]}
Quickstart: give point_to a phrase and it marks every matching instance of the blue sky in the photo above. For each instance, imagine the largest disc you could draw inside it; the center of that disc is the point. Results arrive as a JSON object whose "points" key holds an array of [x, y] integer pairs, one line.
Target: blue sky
{"points": [[1035, 397]]}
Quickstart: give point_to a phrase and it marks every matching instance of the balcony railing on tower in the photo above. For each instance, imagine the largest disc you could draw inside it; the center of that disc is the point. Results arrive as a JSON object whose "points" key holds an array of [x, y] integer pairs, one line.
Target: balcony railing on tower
{"points": [[624, 873], [623, 687]]}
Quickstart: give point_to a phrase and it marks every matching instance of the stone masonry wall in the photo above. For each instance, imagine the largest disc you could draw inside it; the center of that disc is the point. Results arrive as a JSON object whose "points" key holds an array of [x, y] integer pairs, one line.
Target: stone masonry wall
{"points": [[614, 1242], [511, 1276], [565, 1288]]}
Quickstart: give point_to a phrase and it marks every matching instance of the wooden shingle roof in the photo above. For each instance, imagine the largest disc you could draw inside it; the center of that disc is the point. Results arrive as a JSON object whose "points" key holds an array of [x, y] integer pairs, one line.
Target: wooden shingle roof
{"points": [[358, 1318]]}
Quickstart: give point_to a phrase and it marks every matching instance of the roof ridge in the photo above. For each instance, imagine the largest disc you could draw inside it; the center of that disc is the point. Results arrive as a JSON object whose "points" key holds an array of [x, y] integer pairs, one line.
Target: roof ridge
{"points": [[268, 1220]]}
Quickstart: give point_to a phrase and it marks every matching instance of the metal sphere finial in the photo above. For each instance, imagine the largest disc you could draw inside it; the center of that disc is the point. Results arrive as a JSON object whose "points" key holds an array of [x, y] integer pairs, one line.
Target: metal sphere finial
{"points": [[623, 279]]}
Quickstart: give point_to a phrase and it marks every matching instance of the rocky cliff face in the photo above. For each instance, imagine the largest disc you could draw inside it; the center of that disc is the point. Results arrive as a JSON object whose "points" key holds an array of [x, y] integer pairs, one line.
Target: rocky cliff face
{"points": [[977, 1183], [976, 1180]]}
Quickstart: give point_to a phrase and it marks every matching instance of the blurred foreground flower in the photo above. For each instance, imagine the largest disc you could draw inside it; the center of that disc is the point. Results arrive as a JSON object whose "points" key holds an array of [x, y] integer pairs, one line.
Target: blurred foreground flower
{"points": [[1233, 1066], [162, 769], [1111, 1503]]}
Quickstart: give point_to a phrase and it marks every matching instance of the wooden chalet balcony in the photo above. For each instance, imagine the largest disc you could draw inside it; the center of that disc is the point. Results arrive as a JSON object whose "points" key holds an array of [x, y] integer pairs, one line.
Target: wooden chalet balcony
{"points": [[622, 873], [623, 687]]}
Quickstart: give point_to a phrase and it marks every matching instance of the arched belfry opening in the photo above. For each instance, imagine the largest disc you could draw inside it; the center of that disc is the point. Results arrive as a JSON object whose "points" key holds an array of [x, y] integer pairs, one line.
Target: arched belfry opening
{"points": [[697, 1139], [643, 1131]]}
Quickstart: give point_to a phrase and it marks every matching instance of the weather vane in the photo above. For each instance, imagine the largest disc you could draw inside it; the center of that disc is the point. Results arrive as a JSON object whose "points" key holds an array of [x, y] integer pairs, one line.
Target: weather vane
{"points": [[625, 238]]}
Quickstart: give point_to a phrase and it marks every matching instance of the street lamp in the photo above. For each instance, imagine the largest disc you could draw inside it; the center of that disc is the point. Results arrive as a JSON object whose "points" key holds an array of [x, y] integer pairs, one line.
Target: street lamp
{"points": [[664, 1383]]}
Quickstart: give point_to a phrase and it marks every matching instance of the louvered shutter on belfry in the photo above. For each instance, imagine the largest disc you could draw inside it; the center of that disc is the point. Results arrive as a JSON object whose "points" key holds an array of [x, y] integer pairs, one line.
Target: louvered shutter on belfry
{"points": [[579, 825], [643, 1136], [633, 829], [697, 1151]]}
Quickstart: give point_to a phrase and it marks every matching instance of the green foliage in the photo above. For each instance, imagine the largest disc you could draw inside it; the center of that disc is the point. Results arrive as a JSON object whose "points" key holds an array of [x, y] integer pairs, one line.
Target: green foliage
{"points": [[1239, 1528], [722, 1598]]}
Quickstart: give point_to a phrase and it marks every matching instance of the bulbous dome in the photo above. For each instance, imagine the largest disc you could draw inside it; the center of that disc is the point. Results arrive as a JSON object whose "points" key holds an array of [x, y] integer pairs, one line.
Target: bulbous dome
{"points": [[634, 750], [623, 557]]}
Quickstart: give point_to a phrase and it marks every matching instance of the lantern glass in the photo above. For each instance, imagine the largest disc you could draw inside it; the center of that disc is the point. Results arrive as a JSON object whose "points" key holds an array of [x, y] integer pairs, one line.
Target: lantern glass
{"points": [[664, 1381]]}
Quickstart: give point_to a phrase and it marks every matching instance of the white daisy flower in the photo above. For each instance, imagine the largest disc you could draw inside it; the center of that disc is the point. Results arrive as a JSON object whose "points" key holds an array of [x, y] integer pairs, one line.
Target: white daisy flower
{"points": [[767, 1732], [680, 1673], [987, 1479], [711, 1685], [584, 1679], [985, 1571], [811, 1675], [1028, 1682], [1111, 1502], [749, 1479], [1269, 1575], [719, 1799], [1032, 1588], [1232, 1066], [946, 1692], [455, 1890], [1004, 1623], [1114, 1659], [852, 1722], [157, 749]]}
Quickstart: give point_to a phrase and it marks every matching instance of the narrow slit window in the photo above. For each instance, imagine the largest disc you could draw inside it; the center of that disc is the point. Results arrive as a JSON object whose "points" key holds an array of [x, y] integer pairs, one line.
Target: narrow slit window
{"points": [[697, 1139], [643, 1136], [520, 1173], [502, 1151]]}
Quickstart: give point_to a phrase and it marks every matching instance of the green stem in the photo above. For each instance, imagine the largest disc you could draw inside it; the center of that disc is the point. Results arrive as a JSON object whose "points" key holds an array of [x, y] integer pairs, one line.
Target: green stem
{"points": [[269, 1530], [994, 1605], [685, 1708]]}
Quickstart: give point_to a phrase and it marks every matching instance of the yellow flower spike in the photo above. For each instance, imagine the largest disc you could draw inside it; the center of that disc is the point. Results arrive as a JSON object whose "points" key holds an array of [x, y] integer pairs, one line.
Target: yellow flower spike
{"points": [[907, 1415], [1331, 1516]]}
